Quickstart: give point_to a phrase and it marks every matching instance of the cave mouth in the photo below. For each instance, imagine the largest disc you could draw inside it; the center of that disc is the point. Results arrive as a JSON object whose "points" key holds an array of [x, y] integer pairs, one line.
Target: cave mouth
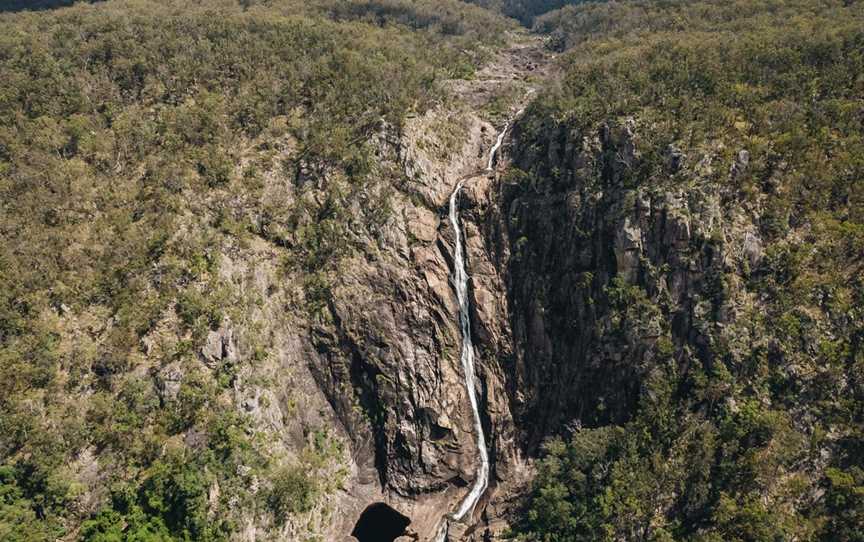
{"points": [[380, 523]]}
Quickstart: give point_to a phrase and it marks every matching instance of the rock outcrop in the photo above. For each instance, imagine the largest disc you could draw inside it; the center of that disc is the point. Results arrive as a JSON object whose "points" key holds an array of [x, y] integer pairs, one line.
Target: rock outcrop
{"points": [[595, 267], [386, 350]]}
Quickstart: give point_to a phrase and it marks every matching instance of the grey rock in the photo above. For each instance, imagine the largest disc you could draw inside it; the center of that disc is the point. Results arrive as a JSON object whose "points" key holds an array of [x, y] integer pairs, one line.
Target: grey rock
{"points": [[674, 159], [739, 166], [168, 381], [219, 346], [628, 248], [753, 249]]}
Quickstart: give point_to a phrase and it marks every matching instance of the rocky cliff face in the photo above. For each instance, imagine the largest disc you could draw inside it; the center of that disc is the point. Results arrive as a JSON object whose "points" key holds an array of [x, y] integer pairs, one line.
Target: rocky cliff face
{"points": [[372, 372], [580, 282], [389, 344], [583, 281], [587, 284], [601, 274], [385, 349]]}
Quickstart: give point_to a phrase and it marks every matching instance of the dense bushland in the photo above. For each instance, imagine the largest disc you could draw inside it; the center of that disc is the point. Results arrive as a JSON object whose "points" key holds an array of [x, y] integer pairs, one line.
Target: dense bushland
{"points": [[760, 436], [129, 132], [136, 141], [526, 10]]}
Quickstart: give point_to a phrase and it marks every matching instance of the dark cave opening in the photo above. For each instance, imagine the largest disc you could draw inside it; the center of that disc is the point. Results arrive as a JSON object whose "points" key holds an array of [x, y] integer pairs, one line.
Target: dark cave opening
{"points": [[380, 523]]}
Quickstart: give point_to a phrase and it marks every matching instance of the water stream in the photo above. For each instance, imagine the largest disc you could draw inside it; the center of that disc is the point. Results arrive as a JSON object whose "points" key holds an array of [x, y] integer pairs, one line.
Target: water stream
{"points": [[492, 152], [460, 282]]}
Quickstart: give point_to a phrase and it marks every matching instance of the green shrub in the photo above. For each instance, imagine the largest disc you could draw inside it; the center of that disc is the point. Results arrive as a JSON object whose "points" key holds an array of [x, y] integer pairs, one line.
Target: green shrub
{"points": [[294, 491]]}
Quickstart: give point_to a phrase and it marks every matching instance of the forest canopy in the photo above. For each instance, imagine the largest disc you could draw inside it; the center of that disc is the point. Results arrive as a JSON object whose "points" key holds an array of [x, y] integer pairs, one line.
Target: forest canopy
{"points": [[126, 131], [140, 141], [741, 441]]}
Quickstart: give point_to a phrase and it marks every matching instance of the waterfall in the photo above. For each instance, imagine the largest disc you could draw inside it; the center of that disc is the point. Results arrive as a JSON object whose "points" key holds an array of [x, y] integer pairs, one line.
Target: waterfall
{"points": [[492, 153], [460, 282], [498, 142], [460, 279]]}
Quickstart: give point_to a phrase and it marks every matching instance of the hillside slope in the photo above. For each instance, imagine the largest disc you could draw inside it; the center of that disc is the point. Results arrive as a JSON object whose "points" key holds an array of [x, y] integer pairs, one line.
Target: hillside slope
{"points": [[685, 227], [185, 190], [226, 304]]}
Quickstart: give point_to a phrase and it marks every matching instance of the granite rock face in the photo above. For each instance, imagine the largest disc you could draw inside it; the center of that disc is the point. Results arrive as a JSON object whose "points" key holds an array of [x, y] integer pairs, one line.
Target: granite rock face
{"points": [[220, 346], [384, 347], [385, 350], [595, 266], [576, 273]]}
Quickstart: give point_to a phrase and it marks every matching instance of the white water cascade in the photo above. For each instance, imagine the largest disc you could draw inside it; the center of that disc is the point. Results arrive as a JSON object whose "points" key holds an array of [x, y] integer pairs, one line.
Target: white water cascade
{"points": [[498, 142], [492, 152], [461, 283], [460, 280]]}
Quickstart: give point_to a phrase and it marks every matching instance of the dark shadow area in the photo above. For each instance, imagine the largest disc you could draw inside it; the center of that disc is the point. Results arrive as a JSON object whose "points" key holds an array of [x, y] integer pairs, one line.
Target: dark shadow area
{"points": [[38, 5], [380, 523]]}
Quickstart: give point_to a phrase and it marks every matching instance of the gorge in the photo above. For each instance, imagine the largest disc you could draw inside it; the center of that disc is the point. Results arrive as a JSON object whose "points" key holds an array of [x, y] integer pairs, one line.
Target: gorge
{"points": [[334, 271]]}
